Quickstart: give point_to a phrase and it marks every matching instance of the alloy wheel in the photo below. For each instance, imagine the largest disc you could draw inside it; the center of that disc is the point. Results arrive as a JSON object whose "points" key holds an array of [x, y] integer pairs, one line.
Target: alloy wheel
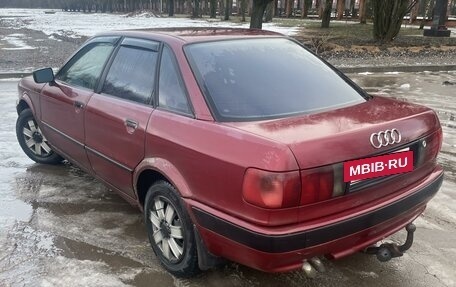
{"points": [[167, 229], [35, 140]]}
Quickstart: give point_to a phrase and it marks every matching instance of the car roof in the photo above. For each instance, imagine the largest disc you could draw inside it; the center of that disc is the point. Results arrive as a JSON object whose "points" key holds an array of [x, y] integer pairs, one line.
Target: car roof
{"points": [[191, 34]]}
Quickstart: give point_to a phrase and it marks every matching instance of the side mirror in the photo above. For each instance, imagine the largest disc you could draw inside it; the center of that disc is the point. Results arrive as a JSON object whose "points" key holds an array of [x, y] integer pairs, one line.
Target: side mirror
{"points": [[42, 76]]}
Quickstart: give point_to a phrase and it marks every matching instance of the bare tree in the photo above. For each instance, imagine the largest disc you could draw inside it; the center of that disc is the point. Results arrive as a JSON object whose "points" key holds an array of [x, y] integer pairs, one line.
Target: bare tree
{"points": [[388, 16], [228, 6], [196, 8], [288, 8], [258, 8], [340, 9], [243, 9], [326, 16], [269, 12], [307, 4], [362, 11], [213, 10]]}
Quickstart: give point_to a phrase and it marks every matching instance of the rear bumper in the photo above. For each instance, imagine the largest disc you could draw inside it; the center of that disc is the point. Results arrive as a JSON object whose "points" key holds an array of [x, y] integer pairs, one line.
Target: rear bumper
{"points": [[282, 252]]}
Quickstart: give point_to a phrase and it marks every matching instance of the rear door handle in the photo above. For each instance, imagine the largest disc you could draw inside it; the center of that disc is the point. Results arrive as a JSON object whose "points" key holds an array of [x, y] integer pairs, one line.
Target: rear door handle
{"points": [[131, 124], [78, 104]]}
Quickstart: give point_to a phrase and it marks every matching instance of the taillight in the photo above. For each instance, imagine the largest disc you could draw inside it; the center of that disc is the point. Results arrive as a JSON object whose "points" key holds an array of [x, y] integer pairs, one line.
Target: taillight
{"points": [[321, 183], [271, 189]]}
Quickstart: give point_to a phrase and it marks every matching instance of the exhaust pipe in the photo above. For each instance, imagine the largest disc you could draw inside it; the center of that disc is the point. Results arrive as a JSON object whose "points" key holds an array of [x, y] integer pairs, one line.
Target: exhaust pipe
{"points": [[387, 251], [312, 266], [317, 264], [309, 270]]}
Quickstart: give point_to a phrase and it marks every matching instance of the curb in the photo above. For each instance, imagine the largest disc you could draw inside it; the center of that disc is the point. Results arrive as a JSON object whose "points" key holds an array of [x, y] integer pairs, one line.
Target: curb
{"points": [[346, 70]]}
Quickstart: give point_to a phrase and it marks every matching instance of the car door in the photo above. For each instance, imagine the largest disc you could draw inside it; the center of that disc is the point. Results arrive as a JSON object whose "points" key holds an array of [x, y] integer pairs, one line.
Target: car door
{"points": [[117, 115], [63, 102]]}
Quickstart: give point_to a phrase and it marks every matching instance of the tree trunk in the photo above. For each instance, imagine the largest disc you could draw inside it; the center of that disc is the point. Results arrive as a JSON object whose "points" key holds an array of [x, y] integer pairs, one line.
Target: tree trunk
{"points": [[321, 8], [362, 11], [131, 6], [204, 7], [340, 9], [269, 12], [256, 19], [307, 4], [222, 6], [213, 10], [228, 6], [353, 10], [414, 13], [171, 8], [426, 11], [243, 8], [289, 8], [326, 17], [388, 16], [196, 8]]}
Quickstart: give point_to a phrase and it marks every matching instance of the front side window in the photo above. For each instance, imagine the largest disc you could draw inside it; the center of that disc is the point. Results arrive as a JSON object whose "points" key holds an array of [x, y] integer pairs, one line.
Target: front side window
{"points": [[132, 74], [253, 79], [171, 92], [85, 68]]}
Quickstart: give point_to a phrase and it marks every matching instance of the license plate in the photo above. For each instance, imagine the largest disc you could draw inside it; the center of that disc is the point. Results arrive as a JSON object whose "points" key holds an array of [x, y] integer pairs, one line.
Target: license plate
{"points": [[399, 162]]}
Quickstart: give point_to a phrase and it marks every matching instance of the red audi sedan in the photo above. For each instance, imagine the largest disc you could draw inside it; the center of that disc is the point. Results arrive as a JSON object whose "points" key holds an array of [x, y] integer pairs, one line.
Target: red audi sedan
{"points": [[236, 144]]}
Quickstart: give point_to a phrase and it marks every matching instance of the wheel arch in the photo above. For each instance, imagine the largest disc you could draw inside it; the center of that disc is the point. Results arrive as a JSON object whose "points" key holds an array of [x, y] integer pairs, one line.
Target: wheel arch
{"points": [[25, 103], [154, 169]]}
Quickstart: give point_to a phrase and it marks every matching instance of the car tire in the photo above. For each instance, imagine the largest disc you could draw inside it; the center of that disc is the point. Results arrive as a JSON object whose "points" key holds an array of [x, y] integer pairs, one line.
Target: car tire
{"points": [[170, 230], [32, 141]]}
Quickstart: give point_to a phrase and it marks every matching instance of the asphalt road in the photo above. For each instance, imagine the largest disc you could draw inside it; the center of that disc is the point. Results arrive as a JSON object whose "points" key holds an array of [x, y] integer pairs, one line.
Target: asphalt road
{"points": [[60, 227]]}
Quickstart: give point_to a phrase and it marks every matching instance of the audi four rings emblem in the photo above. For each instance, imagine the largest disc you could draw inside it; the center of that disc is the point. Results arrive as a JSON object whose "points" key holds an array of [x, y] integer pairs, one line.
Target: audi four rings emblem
{"points": [[385, 138]]}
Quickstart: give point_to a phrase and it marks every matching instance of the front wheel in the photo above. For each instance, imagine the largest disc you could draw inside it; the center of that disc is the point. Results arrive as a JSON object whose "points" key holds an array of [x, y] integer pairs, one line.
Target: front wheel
{"points": [[170, 230], [32, 140]]}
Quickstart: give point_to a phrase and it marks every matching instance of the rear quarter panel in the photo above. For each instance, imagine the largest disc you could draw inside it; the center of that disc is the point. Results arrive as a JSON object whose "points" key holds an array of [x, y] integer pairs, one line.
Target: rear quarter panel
{"points": [[212, 159]]}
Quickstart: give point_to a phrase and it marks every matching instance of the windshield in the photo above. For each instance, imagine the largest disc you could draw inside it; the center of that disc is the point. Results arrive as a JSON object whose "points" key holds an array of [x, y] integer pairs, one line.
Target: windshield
{"points": [[251, 79]]}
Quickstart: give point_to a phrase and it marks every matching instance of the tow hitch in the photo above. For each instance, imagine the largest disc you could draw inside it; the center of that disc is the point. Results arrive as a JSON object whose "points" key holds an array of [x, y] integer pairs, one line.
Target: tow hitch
{"points": [[387, 251]]}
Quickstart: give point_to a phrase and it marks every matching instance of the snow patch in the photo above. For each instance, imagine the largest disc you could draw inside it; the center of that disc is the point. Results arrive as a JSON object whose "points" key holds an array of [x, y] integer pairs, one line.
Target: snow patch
{"points": [[10, 80], [72, 272], [405, 86], [73, 24], [52, 37], [368, 274], [16, 40], [15, 209], [34, 242], [365, 73]]}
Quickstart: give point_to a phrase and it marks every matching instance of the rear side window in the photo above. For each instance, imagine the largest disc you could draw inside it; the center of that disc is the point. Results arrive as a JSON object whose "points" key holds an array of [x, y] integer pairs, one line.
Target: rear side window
{"points": [[252, 79], [171, 92], [132, 74], [86, 66]]}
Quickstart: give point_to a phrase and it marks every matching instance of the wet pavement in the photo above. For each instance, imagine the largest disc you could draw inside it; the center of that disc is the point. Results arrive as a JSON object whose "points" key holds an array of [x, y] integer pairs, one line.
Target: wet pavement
{"points": [[60, 227]]}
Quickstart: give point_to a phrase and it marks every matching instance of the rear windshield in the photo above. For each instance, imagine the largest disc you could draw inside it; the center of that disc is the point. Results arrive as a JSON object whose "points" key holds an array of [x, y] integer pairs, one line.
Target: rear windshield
{"points": [[252, 79]]}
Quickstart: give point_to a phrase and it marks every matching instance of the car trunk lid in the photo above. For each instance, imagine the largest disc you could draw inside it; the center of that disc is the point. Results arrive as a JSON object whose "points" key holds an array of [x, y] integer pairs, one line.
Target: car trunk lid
{"points": [[344, 134]]}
